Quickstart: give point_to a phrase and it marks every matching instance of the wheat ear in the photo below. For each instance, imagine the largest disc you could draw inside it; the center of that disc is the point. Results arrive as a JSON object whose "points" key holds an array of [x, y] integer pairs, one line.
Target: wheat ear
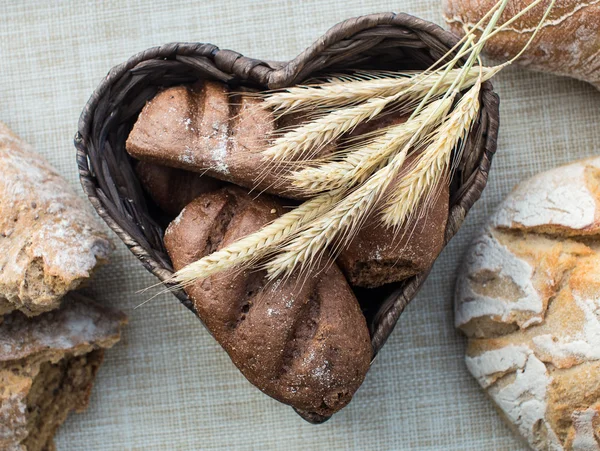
{"points": [[252, 247], [350, 90], [359, 163], [433, 163], [305, 141]]}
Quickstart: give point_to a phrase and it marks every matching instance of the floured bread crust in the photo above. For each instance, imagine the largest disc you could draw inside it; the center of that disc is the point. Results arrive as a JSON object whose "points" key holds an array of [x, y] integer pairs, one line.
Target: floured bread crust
{"points": [[528, 296], [47, 367], [567, 44], [49, 241], [564, 200]]}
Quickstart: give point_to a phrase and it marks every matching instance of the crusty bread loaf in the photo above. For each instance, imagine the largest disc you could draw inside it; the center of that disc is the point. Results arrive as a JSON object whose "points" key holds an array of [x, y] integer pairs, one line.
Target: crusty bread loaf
{"points": [[303, 342], [377, 255], [528, 296], [47, 368], [49, 241], [202, 129], [568, 44]]}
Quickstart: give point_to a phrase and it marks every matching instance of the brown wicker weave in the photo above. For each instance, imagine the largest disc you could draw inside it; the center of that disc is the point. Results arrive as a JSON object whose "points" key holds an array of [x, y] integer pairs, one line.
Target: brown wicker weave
{"points": [[387, 41]]}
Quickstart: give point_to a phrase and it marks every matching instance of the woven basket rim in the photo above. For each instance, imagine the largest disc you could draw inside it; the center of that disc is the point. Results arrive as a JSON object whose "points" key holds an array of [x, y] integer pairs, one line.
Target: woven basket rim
{"points": [[228, 66]]}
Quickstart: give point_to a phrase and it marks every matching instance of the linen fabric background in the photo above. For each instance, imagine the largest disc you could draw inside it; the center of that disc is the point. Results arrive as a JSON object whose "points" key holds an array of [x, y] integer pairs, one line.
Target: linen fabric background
{"points": [[168, 385]]}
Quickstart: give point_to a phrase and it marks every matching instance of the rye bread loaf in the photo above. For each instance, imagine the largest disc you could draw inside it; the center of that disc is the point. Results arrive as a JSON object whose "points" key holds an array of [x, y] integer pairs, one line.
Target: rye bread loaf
{"points": [[47, 367], [304, 343], [377, 255], [49, 241], [528, 296], [568, 44], [205, 128]]}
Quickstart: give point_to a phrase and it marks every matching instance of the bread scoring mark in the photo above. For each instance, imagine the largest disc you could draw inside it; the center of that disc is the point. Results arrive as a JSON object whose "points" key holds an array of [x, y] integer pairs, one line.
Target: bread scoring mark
{"points": [[488, 367], [581, 345], [490, 256], [300, 335]]}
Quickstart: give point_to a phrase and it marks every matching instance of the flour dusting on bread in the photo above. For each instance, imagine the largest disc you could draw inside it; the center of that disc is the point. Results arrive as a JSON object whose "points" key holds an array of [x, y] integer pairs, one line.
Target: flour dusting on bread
{"points": [[50, 241]]}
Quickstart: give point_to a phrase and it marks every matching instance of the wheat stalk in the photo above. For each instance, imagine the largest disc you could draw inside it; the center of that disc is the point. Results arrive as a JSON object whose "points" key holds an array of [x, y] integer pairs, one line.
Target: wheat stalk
{"points": [[252, 247], [433, 162], [359, 163]]}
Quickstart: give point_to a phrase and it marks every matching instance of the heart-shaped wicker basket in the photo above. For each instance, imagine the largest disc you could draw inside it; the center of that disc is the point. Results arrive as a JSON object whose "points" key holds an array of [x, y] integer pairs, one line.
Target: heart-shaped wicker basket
{"points": [[383, 41]]}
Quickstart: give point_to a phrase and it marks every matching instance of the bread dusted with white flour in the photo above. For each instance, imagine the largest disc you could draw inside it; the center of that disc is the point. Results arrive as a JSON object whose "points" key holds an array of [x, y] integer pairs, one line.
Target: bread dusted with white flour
{"points": [[49, 241], [528, 297], [568, 43]]}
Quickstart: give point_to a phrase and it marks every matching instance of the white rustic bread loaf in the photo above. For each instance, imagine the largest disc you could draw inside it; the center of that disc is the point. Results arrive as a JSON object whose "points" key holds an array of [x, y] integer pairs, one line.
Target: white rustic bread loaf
{"points": [[528, 297], [568, 44], [49, 242], [47, 368]]}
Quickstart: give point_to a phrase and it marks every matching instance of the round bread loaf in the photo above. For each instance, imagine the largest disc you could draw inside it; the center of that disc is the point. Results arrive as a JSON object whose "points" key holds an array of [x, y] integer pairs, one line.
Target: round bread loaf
{"points": [[528, 298], [568, 43]]}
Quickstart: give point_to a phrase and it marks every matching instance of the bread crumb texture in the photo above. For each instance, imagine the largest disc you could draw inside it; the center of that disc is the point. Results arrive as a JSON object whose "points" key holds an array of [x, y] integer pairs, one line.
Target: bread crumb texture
{"points": [[47, 368], [49, 241], [528, 298]]}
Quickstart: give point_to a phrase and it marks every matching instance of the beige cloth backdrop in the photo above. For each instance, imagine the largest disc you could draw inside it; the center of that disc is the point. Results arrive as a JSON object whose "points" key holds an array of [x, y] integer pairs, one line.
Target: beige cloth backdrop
{"points": [[168, 385]]}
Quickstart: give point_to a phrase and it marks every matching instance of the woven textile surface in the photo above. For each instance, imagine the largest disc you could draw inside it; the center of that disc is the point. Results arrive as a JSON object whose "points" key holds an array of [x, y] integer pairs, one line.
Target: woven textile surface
{"points": [[168, 385]]}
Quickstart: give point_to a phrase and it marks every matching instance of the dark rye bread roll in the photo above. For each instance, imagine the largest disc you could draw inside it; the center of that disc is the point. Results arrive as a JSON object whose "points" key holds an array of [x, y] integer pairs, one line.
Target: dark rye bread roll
{"points": [[202, 129], [205, 128], [377, 255], [304, 343]]}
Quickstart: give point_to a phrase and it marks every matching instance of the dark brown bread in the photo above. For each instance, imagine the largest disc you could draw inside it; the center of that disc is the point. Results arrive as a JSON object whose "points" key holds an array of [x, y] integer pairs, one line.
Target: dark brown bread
{"points": [[172, 189], [203, 128], [305, 343], [199, 129], [377, 255]]}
